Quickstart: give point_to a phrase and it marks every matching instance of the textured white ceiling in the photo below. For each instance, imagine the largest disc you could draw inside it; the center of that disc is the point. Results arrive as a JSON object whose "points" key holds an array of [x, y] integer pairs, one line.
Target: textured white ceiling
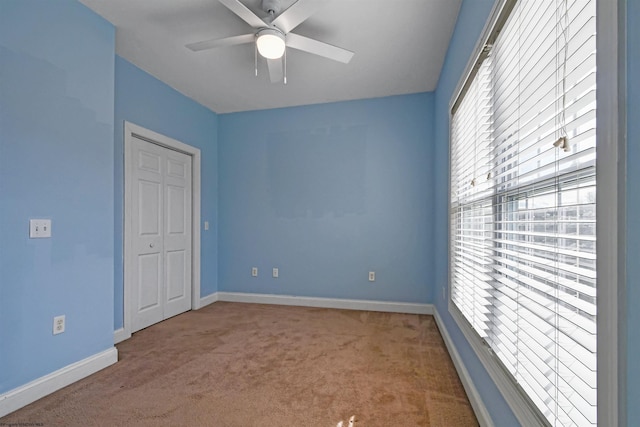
{"points": [[399, 48]]}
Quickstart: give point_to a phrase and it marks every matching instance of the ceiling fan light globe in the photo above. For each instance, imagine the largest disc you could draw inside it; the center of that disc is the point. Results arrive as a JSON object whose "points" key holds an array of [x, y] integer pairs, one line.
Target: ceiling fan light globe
{"points": [[271, 44]]}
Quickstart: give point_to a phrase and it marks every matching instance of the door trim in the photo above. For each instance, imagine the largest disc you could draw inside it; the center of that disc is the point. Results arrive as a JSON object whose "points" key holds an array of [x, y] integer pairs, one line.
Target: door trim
{"points": [[132, 130]]}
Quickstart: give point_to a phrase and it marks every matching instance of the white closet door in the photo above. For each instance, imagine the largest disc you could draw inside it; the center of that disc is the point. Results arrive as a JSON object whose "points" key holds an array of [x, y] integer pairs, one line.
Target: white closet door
{"points": [[177, 236], [161, 230]]}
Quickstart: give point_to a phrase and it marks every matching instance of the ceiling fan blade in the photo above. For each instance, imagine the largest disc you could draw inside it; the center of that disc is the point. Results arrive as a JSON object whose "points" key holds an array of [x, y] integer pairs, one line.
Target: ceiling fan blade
{"points": [[227, 41], [243, 12], [319, 48], [275, 70], [296, 14]]}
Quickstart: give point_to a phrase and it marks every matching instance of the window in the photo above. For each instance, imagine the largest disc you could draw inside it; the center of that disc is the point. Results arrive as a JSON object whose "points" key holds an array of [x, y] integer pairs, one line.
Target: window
{"points": [[523, 208]]}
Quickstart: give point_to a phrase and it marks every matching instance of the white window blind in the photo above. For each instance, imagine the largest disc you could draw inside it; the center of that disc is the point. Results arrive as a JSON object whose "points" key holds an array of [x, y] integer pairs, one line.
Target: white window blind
{"points": [[523, 225]]}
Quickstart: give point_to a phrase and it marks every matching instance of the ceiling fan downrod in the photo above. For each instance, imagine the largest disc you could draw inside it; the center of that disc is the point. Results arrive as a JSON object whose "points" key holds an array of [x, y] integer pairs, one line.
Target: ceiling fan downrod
{"points": [[272, 7]]}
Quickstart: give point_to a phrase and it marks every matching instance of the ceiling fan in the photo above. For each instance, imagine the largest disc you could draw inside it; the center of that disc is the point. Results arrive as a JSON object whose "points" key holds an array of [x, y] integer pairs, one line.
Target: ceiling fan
{"points": [[273, 34]]}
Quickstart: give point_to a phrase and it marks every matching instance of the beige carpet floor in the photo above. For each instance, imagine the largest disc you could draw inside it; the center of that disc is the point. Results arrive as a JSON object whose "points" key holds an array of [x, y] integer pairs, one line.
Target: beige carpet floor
{"points": [[232, 364]]}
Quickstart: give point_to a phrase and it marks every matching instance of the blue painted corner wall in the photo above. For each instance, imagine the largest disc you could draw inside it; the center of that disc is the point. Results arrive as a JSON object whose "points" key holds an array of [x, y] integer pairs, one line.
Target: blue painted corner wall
{"points": [[327, 193], [146, 101], [56, 151]]}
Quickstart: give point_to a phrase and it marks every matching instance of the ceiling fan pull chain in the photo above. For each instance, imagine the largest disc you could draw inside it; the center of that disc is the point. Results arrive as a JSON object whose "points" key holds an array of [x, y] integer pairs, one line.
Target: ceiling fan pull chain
{"points": [[285, 65], [255, 48]]}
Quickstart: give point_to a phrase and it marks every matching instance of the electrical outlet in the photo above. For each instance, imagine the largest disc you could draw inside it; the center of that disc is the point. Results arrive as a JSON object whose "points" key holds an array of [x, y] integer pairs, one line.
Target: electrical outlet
{"points": [[372, 276], [275, 272], [58, 324], [206, 225], [254, 271]]}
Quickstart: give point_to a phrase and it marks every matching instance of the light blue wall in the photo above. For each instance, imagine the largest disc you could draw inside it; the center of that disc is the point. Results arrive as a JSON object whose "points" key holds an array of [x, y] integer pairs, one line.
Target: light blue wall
{"points": [[327, 193], [633, 215], [56, 146], [146, 101], [471, 21]]}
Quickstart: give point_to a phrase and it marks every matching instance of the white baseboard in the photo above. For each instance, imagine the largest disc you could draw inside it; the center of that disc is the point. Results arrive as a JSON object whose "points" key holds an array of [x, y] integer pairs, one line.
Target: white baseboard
{"points": [[479, 408], [120, 335], [39, 388], [209, 299], [347, 304]]}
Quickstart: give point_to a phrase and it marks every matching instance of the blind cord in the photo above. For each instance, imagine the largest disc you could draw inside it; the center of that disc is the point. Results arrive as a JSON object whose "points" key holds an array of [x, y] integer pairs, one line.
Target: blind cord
{"points": [[563, 139]]}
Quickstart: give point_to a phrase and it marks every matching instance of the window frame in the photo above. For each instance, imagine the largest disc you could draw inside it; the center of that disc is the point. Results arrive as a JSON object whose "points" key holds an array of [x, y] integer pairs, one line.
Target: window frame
{"points": [[611, 93]]}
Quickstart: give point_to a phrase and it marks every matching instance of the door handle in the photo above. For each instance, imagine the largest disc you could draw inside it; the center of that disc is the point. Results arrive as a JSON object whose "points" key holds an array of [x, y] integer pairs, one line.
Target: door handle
{"points": [[150, 245]]}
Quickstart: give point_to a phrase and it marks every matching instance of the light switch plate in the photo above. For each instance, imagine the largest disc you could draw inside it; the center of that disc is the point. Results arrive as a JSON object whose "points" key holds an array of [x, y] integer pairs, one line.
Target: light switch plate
{"points": [[39, 228]]}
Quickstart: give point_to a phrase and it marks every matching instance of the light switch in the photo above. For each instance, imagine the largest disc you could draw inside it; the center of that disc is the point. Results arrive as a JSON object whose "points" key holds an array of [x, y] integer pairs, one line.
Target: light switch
{"points": [[206, 225], [39, 228]]}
